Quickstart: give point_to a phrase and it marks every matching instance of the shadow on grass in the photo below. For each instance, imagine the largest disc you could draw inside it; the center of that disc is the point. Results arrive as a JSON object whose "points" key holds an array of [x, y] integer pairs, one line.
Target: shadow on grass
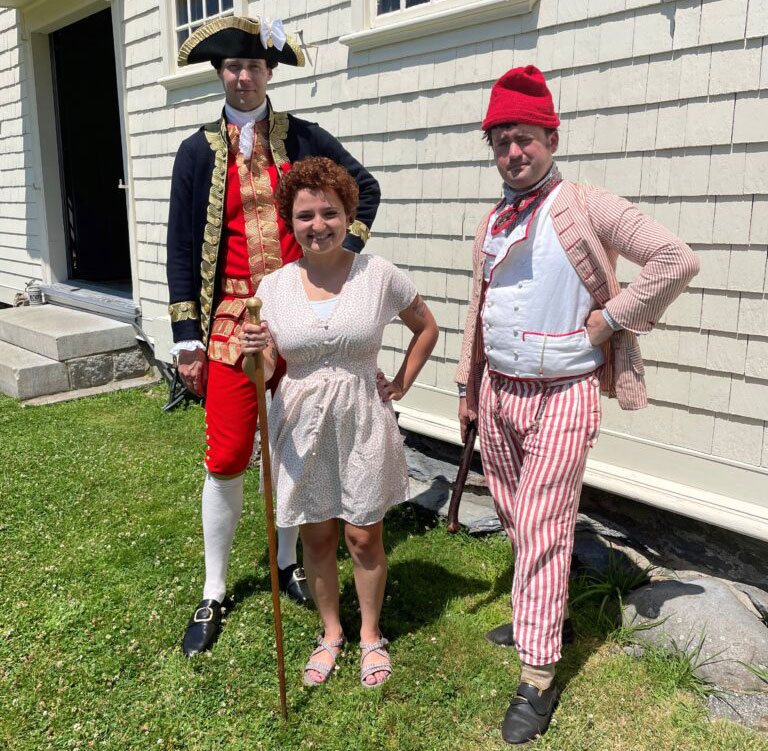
{"points": [[418, 591]]}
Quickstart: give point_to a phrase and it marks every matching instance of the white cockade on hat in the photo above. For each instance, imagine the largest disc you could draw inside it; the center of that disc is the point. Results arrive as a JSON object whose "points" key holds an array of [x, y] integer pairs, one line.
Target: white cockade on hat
{"points": [[272, 33]]}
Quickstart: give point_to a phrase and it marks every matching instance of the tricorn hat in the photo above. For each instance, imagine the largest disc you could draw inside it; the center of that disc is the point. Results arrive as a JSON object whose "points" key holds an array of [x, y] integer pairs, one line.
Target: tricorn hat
{"points": [[238, 36]]}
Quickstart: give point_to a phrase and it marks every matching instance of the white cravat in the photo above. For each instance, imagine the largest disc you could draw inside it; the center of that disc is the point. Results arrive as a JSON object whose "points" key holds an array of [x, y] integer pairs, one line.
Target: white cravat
{"points": [[246, 122]]}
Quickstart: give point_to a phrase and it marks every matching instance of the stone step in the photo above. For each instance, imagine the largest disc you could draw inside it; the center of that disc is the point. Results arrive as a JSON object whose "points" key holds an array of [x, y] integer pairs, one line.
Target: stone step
{"points": [[25, 374], [63, 334], [142, 382]]}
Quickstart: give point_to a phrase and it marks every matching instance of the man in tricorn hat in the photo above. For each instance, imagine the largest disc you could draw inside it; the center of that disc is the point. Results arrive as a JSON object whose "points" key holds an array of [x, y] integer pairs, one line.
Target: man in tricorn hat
{"points": [[224, 235], [548, 328]]}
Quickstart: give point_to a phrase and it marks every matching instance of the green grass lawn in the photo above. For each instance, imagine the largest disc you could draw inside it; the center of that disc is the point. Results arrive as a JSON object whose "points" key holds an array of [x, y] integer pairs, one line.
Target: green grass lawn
{"points": [[101, 565]]}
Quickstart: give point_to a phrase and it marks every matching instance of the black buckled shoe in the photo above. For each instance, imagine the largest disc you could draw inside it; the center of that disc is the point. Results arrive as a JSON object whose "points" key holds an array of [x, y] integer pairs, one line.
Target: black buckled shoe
{"points": [[294, 583], [203, 627], [504, 635], [529, 713]]}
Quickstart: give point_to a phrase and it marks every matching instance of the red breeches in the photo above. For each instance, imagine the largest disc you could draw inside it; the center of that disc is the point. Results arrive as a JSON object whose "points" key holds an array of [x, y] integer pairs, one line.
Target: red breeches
{"points": [[231, 417]]}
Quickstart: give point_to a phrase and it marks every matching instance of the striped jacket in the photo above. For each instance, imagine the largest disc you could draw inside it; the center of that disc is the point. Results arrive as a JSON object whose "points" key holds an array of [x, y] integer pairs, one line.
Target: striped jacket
{"points": [[594, 228]]}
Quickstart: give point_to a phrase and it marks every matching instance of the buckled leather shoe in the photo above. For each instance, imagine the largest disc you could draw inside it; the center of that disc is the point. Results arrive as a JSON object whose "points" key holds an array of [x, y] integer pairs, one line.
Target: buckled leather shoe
{"points": [[203, 628], [529, 713], [294, 583], [504, 635]]}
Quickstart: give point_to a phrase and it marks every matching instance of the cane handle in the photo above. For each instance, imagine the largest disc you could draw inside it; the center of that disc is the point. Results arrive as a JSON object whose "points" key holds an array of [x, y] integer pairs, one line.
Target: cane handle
{"points": [[252, 364], [254, 309]]}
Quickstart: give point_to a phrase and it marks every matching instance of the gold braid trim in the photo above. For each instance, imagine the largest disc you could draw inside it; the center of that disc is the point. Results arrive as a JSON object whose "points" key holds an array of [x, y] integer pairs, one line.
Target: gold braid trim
{"points": [[183, 311], [278, 132], [214, 220], [251, 25], [291, 41], [361, 230], [259, 212]]}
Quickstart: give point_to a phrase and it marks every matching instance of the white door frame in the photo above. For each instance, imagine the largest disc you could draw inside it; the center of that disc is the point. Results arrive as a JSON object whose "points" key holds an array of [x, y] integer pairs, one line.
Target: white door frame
{"points": [[38, 22]]}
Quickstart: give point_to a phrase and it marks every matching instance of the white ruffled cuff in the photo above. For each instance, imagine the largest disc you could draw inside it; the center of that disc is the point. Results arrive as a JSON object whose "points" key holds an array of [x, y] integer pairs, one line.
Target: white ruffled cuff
{"points": [[188, 345]]}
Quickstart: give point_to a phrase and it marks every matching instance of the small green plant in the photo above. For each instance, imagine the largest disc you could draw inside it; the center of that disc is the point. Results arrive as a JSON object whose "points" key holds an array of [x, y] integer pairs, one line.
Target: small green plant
{"points": [[676, 665], [609, 586], [626, 634]]}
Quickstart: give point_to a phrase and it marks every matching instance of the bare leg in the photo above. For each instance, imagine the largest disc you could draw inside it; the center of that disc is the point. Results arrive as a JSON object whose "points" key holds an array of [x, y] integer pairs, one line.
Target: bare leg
{"points": [[320, 542], [366, 547]]}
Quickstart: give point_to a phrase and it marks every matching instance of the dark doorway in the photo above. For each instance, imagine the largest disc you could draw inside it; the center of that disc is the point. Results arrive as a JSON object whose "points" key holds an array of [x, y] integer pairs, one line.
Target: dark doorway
{"points": [[90, 149]]}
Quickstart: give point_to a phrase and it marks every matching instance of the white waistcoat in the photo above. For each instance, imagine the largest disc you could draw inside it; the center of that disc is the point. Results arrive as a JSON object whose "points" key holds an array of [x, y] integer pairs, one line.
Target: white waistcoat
{"points": [[535, 304]]}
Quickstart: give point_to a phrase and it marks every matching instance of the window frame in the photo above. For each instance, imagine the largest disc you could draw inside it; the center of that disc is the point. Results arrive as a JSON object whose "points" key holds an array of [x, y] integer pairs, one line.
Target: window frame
{"points": [[373, 30], [196, 73]]}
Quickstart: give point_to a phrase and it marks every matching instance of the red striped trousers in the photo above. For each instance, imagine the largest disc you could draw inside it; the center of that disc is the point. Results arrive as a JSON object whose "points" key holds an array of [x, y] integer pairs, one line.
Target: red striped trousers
{"points": [[534, 439]]}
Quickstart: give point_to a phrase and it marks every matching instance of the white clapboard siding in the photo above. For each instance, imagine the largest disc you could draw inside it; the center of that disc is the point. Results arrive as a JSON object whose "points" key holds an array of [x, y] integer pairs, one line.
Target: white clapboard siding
{"points": [[662, 103], [19, 226]]}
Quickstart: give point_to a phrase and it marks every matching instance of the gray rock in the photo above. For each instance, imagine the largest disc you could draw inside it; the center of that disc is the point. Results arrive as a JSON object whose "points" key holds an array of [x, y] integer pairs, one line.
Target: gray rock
{"points": [[130, 363], [758, 597], [431, 495], [427, 468], [95, 370], [747, 709], [703, 617]]}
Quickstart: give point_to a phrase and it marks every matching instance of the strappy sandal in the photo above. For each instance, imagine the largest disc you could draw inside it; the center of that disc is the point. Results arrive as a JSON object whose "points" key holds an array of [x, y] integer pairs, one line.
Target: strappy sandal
{"points": [[380, 648], [321, 667]]}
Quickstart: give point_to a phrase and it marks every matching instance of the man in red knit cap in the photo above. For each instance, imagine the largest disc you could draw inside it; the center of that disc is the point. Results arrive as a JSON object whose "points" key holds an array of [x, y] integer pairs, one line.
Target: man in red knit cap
{"points": [[548, 328]]}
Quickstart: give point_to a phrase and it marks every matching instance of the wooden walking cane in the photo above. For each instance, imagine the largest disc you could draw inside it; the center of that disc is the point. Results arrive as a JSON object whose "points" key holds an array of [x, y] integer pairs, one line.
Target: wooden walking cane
{"points": [[253, 367], [461, 477]]}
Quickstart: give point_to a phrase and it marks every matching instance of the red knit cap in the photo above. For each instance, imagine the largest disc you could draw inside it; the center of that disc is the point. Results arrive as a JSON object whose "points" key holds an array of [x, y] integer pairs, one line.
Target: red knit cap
{"points": [[521, 96]]}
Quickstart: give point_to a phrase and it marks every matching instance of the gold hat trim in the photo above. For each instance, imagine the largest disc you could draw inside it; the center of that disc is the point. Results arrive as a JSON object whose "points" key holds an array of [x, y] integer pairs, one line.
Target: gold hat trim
{"points": [[243, 23]]}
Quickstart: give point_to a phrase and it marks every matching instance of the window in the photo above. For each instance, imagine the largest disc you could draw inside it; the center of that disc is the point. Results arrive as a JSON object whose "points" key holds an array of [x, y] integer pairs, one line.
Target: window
{"points": [[387, 6], [384, 7], [181, 18], [382, 22], [192, 14]]}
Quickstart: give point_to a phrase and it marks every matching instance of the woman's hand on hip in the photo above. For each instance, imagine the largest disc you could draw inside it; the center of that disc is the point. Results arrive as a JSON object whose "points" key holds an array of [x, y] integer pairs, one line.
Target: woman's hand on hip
{"points": [[388, 390], [254, 338]]}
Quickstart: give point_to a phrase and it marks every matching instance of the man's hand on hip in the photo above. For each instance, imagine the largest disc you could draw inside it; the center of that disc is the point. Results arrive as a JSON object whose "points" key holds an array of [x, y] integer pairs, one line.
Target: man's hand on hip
{"points": [[193, 369], [465, 417], [598, 329]]}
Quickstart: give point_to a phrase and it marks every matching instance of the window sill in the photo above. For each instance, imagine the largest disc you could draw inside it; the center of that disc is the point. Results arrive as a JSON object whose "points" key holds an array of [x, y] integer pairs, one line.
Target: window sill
{"points": [[434, 23], [194, 75]]}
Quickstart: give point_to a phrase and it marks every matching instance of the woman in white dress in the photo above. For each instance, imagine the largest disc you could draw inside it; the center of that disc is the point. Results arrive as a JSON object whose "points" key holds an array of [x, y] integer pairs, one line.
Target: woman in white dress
{"points": [[336, 448]]}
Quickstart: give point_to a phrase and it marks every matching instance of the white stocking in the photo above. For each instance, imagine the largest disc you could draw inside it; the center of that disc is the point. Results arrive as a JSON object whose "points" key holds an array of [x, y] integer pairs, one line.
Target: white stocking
{"points": [[222, 506], [287, 539]]}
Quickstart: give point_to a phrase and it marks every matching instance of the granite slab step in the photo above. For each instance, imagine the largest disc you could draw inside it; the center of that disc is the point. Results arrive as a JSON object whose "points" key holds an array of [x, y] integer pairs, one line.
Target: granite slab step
{"points": [[62, 334], [25, 374]]}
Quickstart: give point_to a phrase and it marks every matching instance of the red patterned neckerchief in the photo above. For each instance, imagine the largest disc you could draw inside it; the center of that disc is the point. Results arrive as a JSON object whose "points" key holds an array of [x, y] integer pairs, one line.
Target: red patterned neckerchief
{"points": [[519, 205]]}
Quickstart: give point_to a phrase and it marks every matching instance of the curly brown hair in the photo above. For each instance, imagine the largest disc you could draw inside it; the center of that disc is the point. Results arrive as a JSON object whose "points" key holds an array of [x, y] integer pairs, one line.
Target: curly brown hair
{"points": [[316, 173]]}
